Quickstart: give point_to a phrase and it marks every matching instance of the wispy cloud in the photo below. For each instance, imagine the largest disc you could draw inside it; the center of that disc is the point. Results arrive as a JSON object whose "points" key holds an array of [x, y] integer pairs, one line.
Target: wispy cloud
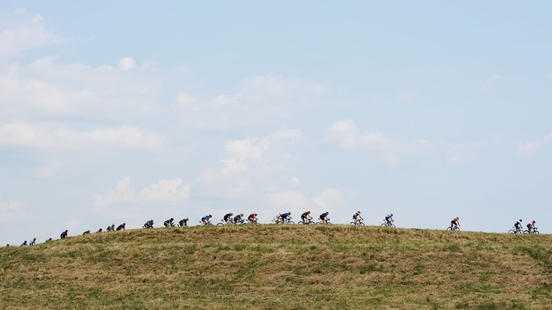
{"points": [[529, 149], [492, 80]]}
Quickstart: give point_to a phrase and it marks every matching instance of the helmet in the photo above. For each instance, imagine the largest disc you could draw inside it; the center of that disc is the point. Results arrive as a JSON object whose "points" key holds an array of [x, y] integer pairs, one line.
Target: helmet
{"points": [[124, 224], [241, 214], [289, 212], [534, 222], [520, 220], [358, 212], [327, 212], [308, 212], [172, 219], [210, 215], [391, 214], [66, 230], [187, 219], [231, 213]]}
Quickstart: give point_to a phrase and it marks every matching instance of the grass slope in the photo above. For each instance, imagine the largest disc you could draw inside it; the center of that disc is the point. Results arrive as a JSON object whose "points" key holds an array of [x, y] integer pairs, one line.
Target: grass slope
{"points": [[280, 267]]}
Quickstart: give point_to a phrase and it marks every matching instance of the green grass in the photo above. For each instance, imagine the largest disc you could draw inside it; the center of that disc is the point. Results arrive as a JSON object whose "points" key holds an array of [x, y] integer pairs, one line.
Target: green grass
{"points": [[280, 267]]}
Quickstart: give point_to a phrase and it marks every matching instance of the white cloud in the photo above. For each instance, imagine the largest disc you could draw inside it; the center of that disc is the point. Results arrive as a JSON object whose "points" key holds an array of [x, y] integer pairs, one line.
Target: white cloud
{"points": [[127, 63], [247, 163], [11, 211], [23, 33], [492, 80], [294, 180], [63, 138], [549, 75], [407, 96], [462, 152], [261, 100], [528, 149], [289, 200], [48, 172], [349, 137], [72, 224], [46, 88], [329, 199], [173, 190]]}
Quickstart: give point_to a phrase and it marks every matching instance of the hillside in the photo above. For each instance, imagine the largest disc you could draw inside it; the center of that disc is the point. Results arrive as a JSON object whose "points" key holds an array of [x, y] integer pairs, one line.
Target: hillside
{"points": [[280, 267]]}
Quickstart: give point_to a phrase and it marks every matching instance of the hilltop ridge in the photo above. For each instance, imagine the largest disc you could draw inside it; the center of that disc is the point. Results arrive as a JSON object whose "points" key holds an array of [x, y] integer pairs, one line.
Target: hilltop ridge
{"points": [[281, 267]]}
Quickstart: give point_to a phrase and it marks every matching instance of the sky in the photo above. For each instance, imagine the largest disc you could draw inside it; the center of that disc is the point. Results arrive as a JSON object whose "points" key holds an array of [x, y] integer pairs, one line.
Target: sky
{"points": [[125, 111]]}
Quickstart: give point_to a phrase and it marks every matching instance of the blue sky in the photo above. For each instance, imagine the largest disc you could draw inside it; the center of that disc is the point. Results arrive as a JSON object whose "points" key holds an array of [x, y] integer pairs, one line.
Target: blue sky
{"points": [[126, 111]]}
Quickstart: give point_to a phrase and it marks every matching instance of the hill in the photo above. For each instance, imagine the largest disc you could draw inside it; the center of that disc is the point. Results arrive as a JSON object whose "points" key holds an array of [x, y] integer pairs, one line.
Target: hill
{"points": [[280, 267]]}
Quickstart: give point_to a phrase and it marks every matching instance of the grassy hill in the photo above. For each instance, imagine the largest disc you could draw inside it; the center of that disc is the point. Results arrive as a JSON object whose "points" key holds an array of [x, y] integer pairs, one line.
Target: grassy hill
{"points": [[280, 267]]}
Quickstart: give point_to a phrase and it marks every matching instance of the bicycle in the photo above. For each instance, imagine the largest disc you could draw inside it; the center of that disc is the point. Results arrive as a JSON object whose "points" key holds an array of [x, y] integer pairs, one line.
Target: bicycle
{"points": [[514, 230], [278, 220], [319, 221], [223, 222], [534, 230], [360, 223], [455, 227], [310, 222], [388, 224], [208, 223]]}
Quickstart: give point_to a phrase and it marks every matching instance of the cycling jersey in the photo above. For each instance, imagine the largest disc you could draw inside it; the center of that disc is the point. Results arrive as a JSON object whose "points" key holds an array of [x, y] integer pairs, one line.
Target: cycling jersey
{"points": [[120, 227], [323, 216], [252, 216], [205, 218], [388, 217], [285, 215], [227, 216], [305, 215], [356, 216], [237, 218], [183, 222]]}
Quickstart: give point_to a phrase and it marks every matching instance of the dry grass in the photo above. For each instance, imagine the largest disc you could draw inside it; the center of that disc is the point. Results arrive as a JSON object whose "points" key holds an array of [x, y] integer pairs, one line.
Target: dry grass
{"points": [[281, 267]]}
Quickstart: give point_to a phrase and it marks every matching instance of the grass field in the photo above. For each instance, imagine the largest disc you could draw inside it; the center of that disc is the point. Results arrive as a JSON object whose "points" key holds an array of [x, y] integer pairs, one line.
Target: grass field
{"points": [[280, 267]]}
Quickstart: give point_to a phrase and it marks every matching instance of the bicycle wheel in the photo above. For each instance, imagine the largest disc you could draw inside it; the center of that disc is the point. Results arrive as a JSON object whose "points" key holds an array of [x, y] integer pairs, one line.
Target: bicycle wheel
{"points": [[300, 223], [383, 225], [448, 228], [525, 231], [535, 232], [353, 223], [511, 231], [393, 226]]}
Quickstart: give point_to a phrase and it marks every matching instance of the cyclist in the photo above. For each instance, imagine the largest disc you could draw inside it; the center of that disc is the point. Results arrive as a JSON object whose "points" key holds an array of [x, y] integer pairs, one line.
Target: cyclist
{"points": [[33, 242], [239, 219], [111, 228], [306, 217], [285, 217], [454, 223], [121, 227], [86, 232], [228, 218], [357, 217], [530, 226], [184, 222], [517, 225], [206, 219], [64, 234], [24, 243], [389, 219], [99, 230], [169, 222], [324, 217], [252, 218], [148, 224]]}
